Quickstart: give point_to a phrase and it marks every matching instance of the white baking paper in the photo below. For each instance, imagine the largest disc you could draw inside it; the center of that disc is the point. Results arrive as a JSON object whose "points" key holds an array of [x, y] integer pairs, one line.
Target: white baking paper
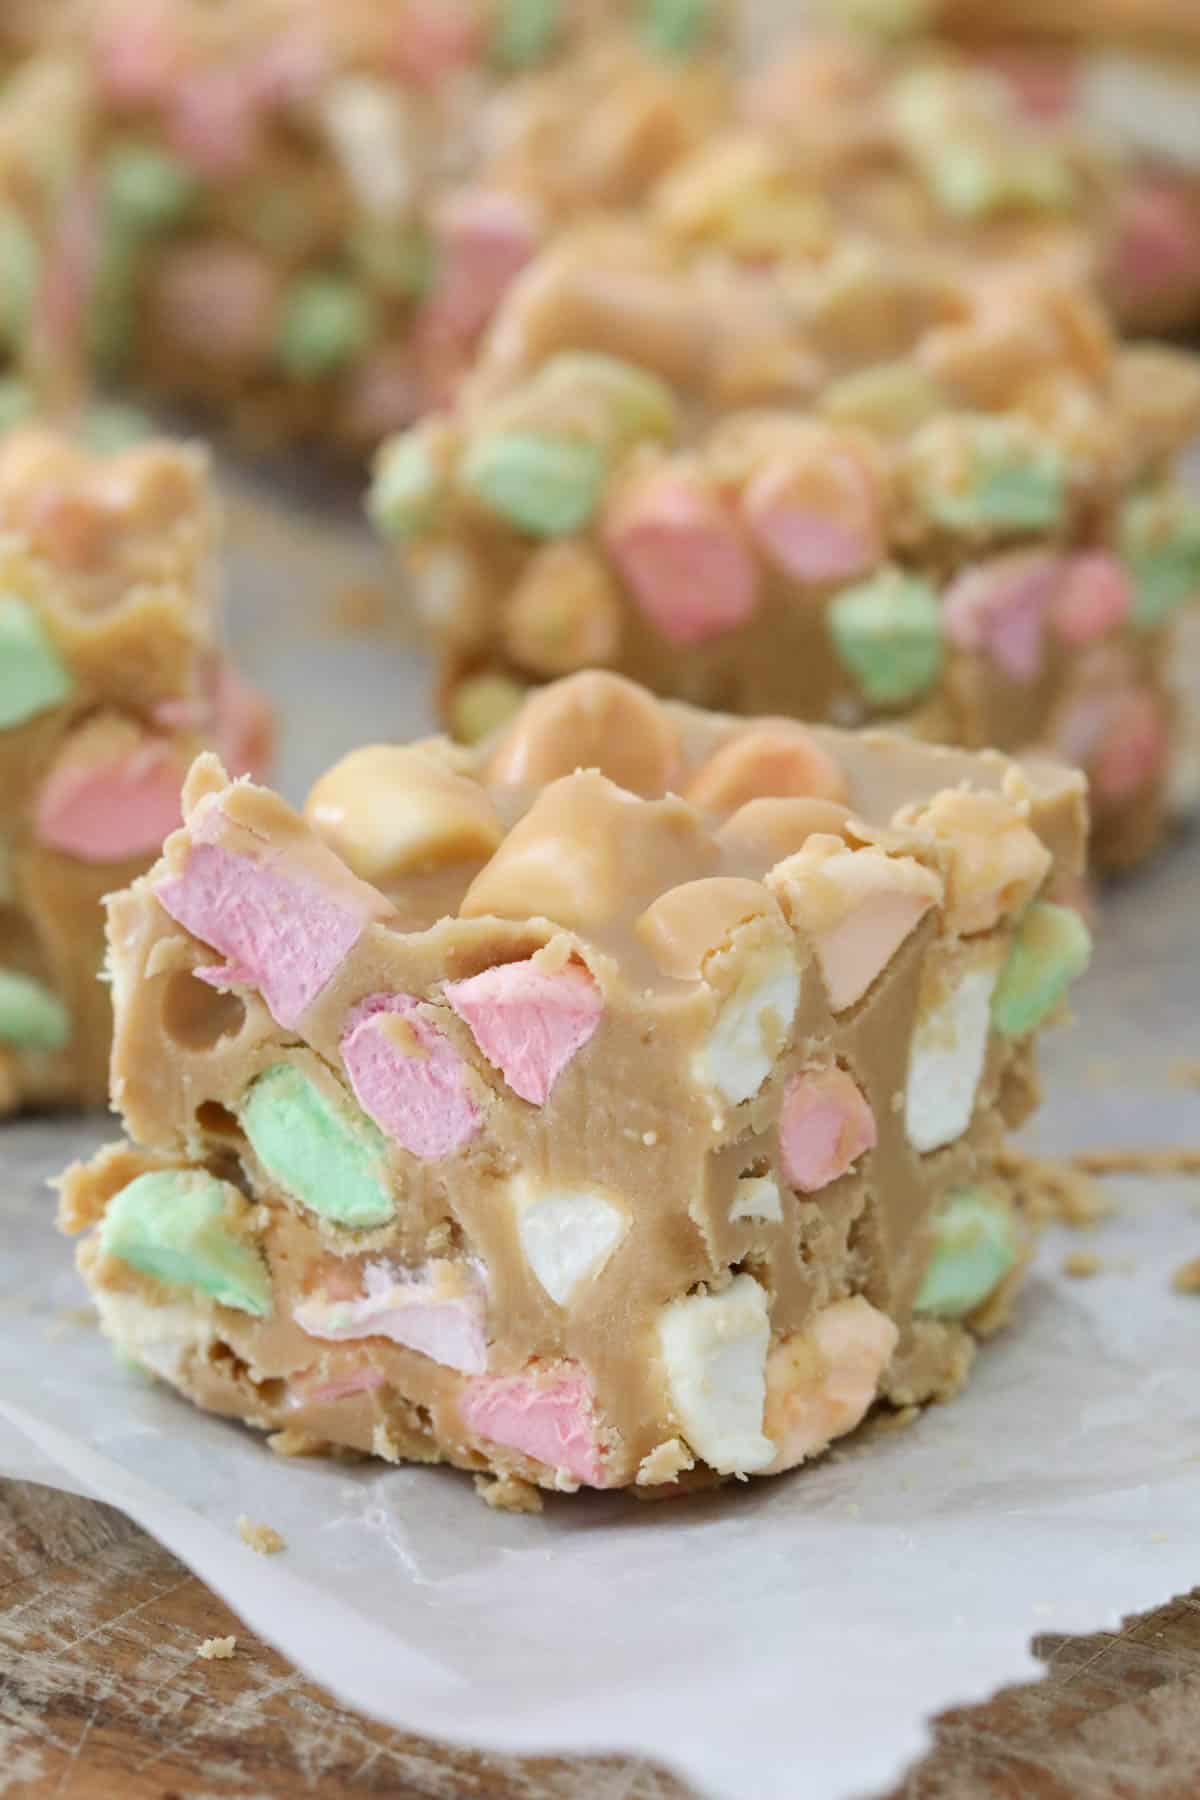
{"points": [[780, 1640]]}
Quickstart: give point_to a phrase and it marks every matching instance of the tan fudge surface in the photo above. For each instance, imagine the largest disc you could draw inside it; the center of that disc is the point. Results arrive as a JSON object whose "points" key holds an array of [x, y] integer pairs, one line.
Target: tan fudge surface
{"points": [[674, 867], [105, 571]]}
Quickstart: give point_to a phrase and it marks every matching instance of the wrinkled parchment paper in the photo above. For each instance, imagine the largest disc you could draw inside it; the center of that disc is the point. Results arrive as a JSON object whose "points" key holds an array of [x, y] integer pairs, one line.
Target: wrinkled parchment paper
{"points": [[781, 1639]]}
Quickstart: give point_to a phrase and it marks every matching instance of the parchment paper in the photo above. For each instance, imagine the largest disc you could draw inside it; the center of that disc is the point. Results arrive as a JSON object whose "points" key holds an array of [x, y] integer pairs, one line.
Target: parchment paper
{"points": [[782, 1640]]}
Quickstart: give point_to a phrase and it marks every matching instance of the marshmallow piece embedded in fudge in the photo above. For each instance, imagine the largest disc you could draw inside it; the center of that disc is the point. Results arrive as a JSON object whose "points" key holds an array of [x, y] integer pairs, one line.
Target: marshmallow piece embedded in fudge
{"points": [[619, 1136]]}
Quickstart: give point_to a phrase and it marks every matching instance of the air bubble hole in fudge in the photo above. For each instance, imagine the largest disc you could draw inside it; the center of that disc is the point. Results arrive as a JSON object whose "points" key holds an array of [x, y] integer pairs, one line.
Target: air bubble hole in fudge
{"points": [[196, 1015], [217, 1121]]}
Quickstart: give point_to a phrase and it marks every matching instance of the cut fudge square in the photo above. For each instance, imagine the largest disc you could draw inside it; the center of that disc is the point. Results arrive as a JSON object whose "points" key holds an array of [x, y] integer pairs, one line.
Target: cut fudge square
{"points": [[862, 485], [618, 1103], [112, 678]]}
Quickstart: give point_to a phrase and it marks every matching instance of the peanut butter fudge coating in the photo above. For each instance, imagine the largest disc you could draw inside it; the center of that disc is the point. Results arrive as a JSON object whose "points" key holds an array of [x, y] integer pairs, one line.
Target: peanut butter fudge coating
{"points": [[111, 681], [1125, 74], [615, 1103], [302, 216], [871, 485]]}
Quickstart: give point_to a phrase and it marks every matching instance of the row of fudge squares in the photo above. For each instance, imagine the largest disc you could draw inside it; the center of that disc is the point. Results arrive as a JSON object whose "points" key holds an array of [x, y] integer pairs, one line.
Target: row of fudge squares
{"points": [[302, 216], [617, 1103], [881, 488], [112, 679]]}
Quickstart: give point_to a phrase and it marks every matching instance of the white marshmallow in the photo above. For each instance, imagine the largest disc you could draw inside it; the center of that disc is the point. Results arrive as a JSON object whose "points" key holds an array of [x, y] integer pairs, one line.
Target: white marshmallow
{"points": [[757, 1197], [741, 1047], [565, 1233], [714, 1350], [946, 1060], [370, 128]]}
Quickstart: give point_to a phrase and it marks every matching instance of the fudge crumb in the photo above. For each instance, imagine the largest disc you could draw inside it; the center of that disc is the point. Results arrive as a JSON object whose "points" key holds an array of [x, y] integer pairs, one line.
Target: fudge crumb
{"points": [[1186, 1279], [262, 1538], [1082, 1264], [1184, 1072], [1054, 1190], [359, 609], [508, 1493], [292, 1442], [649, 1138], [1172, 1160], [664, 1463], [217, 1649]]}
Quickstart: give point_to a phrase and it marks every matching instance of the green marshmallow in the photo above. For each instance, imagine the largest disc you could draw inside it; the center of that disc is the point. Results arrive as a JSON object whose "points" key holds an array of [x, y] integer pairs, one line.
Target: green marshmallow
{"points": [[637, 404], [975, 1246], [20, 264], [525, 32], [113, 426], [146, 190], [1160, 540], [177, 1225], [331, 1158], [674, 27], [971, 180], [326, 322], [33, 675], [406, 489], [1017, 484], [16, 402], [31, 1016], [545, 486], [887, 631], [1051, 949]]}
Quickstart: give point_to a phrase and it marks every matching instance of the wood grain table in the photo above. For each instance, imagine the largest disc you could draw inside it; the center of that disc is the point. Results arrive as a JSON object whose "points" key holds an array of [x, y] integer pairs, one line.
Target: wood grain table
{"points": [[103, 1696]]}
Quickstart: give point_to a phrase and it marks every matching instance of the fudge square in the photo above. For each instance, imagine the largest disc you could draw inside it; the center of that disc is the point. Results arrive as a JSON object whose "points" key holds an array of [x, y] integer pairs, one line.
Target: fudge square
{"points": [[301, 216], [862, 484], [618, 1102], [111, 680]]}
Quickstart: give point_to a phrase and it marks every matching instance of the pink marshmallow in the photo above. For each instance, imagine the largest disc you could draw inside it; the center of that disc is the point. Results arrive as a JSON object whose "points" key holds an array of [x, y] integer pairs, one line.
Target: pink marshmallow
{"points": [[485, 238], [138, 56], [855, 951], [411, 1081], [382, 394], [528, 1024], [1093, 598], [1043, 85], [548, 1418], [213, 121], [217, 300], [282, 930], [410, 1308], [244, 725], [1158, 238], [106, 811], [816, 516], [1134, 749], [681, 553], [825, 1125], [361, 1381], [805, 1412], [999, 608], [435, 38]]}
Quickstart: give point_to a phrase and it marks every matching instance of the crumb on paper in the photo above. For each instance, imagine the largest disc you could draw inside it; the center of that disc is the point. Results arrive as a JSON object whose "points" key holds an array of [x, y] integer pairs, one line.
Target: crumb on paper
{"points": [[261, 1538], [1184, 1072], [1186, 1279], [508, 1493], [1055, 1190], [359, 609], [1082, 1264], [293, 1442], [217, 1649], [664, 1463], [71, 1318], [1171, 1159]]}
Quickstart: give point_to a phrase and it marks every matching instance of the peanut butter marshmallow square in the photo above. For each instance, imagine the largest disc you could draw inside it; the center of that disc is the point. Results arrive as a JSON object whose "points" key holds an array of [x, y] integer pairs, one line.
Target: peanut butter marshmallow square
{"points": [[618, 1103], [301, 217], [866, 483], [112, 678]]}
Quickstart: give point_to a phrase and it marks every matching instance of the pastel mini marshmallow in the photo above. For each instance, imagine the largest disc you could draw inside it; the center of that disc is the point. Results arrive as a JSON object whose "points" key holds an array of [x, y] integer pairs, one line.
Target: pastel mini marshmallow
{"points": [[858, 907], [595, 720], [439, 1310], [752, 1025], [566, 1234], [817, 512], [825, 1126], [408, 1077], [1135, 748], [112, 793], [714, 1353], [1094, 598], [681, 553], [547, 1415], [1001, 608], [390, 810], [996, 862], [364, 1380], [530, 1023], [822, 1381], [776, 757], [948, 1049], [371, 129], [285, 924], [757, 1198]]}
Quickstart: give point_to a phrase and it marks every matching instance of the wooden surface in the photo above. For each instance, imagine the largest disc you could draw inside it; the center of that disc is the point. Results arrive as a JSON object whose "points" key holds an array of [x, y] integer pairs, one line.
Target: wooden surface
{"points": [[104, 1697]]}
